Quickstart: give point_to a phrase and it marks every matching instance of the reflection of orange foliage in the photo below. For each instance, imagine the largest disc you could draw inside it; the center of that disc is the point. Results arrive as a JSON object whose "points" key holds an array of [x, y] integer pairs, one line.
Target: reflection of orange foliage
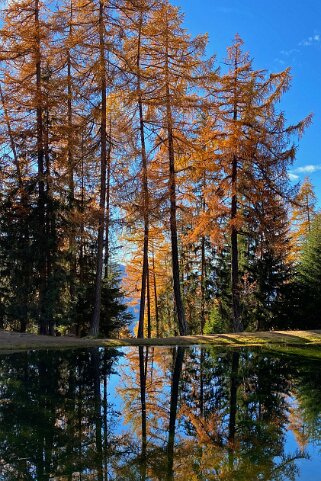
{"points": [[208, 429], [156, 363], [298, 428]]}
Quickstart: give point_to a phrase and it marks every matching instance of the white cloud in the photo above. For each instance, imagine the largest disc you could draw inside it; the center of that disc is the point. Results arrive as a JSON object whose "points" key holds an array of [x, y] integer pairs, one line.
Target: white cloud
{"points": [[307, 169], [312, 40], [290, 55], [289, 52], [293, 176]]}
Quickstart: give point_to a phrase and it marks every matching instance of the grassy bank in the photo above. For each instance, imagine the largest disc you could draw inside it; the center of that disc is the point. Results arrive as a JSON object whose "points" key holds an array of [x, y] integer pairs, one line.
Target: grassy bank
{"points": [[10, 341]]}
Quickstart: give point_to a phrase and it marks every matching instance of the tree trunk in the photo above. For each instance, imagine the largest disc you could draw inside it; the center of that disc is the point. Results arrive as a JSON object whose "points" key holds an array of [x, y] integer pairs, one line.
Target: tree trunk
{"points": [[107, 232], [105, 428], [182, 325], [95, 321], [202, 368], [50, 224], [178, 364], [234, 384], [95, 358], [155, 297], [237, 325], [234, 254], [203, 287], [144, 189], [82, 232], [12, 142], [71, 182], [43, 324], [142, 376], [233, 396], [149, 317]]}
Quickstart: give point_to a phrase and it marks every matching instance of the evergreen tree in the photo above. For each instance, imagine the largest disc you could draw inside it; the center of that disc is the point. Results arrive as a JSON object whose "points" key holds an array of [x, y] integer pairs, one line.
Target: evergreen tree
{"points": [[309, 277]]}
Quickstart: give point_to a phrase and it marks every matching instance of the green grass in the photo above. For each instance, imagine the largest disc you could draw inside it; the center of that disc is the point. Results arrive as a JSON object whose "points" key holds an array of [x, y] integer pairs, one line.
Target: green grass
{"points": [[275, 339]]}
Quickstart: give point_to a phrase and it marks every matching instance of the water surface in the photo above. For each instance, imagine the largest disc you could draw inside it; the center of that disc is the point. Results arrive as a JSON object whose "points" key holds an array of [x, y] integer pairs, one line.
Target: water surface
{"points": [[159, 414]]}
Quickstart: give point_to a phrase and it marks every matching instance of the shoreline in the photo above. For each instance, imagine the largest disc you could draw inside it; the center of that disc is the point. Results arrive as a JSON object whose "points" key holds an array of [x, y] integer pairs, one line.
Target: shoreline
{"points": [[13, 341]]}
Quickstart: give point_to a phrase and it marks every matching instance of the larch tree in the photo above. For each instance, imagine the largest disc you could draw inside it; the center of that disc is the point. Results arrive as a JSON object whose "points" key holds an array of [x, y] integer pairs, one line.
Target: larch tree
{"points": [[99, 44], [175, 61], [256, 145], [137, 15], [25, 36]]}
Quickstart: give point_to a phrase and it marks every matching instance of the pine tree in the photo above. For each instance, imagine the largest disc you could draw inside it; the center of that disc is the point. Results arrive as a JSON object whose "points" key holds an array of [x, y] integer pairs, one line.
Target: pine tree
{"points": [[310, 277], [302, 216]]}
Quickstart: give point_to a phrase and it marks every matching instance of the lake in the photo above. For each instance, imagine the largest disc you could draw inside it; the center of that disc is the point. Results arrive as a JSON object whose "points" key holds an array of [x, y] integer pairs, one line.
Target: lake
{"points": [[168, 414]]}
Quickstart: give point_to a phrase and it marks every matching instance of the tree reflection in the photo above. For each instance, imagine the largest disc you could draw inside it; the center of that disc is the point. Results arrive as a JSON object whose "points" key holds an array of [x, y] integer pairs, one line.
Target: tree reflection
{"points": [[177, 414], [50, 413], [177, 370], [245, 421]]}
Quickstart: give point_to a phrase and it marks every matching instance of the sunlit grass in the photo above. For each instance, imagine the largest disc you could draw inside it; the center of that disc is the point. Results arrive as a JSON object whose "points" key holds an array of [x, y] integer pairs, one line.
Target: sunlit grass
{"points": [[13, 341]]}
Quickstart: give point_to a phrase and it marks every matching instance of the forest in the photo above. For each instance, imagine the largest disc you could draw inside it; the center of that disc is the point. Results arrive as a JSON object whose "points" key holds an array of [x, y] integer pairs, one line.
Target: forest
{"points": [[136, 168]]}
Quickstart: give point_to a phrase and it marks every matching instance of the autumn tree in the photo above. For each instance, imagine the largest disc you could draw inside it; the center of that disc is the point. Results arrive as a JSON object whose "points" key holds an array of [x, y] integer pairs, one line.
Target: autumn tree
{"points": [[175, 60], [25, 39], [137, 18], [255, 148]]}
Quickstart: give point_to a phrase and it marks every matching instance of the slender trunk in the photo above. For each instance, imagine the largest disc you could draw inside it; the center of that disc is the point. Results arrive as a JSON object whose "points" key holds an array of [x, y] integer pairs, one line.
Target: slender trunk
{"points": [[142, 374], [82, 232], [237, 325], [233, 396], [203, 287], [79, 411], [234, 253], [71, 182], [202, 359], [95, 321], [82, 211], [144, 189], [43, 324], [203, 263], [309, 214], [107, 233], [50, 239], [12, 142], [71, 446], [105, 428], [149, 318], [97, 403], [234, 384], [155, 297], [182, 325], [173, 411]]}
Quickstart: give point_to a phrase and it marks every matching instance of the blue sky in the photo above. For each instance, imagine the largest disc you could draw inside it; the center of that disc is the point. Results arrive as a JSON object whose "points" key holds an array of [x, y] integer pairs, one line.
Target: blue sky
{"points": [[277, 34]]}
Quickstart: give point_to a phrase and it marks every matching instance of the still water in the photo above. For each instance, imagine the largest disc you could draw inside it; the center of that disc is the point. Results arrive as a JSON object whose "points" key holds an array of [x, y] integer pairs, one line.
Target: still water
{"points": [[143, 414]]}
